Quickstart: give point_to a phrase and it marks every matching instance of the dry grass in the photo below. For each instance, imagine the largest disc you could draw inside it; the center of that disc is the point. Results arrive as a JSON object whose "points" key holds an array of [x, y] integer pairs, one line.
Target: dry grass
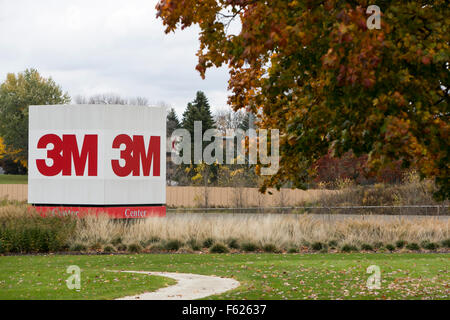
{"points": [[23, 231], [10, 210], [412, 191], [284, 231]]}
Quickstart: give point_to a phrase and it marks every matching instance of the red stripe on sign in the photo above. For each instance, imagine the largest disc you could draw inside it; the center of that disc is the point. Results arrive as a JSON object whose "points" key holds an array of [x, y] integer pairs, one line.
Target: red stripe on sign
{"points": [[113, 212]]}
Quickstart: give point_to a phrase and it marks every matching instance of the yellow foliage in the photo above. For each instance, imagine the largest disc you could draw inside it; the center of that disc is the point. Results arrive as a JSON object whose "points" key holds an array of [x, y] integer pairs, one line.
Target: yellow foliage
{"points": [[2, 148], [4, 152]]}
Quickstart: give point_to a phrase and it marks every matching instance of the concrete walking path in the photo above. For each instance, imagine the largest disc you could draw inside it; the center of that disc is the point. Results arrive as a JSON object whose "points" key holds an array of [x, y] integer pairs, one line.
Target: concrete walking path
{"points": [[188, 287]]}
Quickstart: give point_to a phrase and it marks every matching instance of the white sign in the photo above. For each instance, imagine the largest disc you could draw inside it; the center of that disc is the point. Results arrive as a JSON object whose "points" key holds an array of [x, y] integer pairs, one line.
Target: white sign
{"points": [[97, 155]]}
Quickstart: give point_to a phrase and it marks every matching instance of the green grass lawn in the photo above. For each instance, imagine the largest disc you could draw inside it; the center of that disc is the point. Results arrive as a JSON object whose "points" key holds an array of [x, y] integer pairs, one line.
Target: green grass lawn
{"points": [[43, 277], [13, 179], [262, 276]]}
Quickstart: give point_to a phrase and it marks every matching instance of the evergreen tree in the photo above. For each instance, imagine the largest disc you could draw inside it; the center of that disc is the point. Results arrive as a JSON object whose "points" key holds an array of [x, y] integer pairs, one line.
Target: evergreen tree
{"points": [[197, 110], [172, 122], [173, 173], [245, 123]]}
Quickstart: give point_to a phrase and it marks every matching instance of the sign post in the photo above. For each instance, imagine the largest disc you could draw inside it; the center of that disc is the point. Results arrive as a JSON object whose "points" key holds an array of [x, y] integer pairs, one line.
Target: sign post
{"points": [[97, 158]]}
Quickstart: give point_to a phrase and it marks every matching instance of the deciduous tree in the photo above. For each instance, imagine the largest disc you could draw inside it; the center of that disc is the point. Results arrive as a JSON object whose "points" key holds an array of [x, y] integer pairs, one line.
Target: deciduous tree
{"points": [[316, 72], [111, 98], [16, 94]]}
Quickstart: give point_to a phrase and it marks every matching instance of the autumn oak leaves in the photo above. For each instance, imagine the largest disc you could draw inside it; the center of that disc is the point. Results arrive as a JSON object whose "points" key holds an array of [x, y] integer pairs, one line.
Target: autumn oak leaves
{"points": [[315, 71]]}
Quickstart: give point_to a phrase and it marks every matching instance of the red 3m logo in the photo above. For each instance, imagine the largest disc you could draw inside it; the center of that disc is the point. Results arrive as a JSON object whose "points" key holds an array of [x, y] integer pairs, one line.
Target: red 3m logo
{"points": [[64, 151], [134, 154]]}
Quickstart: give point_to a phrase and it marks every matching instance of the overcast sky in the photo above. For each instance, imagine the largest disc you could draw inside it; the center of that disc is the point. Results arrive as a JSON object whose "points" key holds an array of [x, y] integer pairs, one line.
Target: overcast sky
{"points": [[106, 46]]}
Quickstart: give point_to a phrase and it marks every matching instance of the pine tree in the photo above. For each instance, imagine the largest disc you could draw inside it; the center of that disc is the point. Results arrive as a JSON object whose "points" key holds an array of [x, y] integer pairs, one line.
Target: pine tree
{"points": [[172, 122], [197, 110], [245, 123]]}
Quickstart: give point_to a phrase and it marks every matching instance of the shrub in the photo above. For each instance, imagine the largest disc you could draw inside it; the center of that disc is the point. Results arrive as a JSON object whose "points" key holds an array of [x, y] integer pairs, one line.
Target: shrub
{"points": [[306, 243], [429, 245], [96, 246], [424, 243], [134, 248], [78, 247], [378, 245], [412, 246], [173, 245], [432, 246], [446, 243], [269, 247], [208, 242], [151, 240], [348, 248], [332, 243], [218, 248], [366, 247], [292, 250], [194, 244], [109, 249], [121, 247], [233, 243], [154, 239], [116, 241], [400, 243], [33, 233], [156, 247], [317, 246], [249, 246], [390, 247]]}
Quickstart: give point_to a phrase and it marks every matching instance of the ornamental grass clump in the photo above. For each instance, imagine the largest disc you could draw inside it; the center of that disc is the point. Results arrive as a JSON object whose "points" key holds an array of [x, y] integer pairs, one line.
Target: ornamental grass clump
{"points": [[218, 248], [26, 231]]}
